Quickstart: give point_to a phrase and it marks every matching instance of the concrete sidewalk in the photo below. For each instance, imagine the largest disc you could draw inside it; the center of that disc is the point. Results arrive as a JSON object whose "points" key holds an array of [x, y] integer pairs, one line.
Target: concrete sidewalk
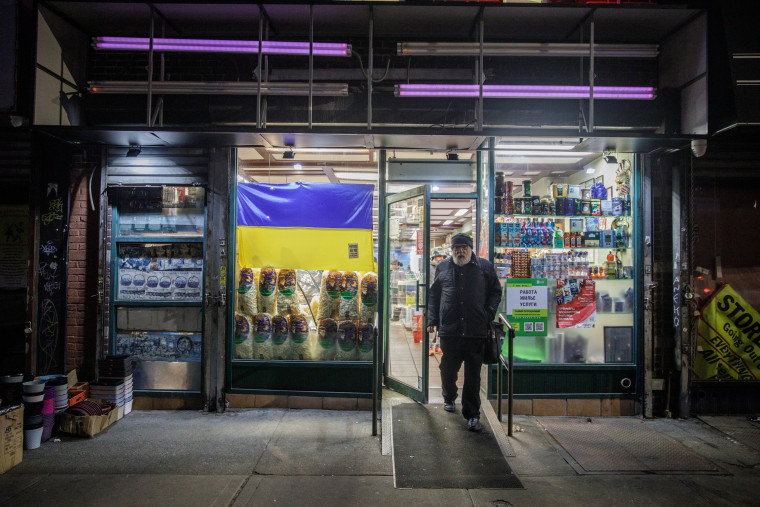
{"points": [[316, 457]]}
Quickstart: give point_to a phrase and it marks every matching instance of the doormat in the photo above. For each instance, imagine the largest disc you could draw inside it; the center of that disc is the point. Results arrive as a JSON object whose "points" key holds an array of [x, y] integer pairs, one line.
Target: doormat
{"points": [[621, 445], [433, 449]]}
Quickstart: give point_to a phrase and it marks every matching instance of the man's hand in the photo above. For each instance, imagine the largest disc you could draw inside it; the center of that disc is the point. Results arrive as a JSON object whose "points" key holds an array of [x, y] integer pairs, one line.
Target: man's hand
{"points": [[432, 329]]}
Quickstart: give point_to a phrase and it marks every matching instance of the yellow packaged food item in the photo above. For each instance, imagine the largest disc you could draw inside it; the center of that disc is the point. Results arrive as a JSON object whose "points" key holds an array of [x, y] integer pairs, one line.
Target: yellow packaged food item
{"points": [[262, 336], [301, 343], [287, 300], [348, 309], [243, 339], [327, 337], [329, 295], [368, 298], [248, 292], [346, 349], [267, 287]]}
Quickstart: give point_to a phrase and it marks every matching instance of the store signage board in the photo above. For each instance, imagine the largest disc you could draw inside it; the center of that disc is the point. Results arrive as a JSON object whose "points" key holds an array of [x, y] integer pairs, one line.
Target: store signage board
{"points": [[528, 305], [728, 338]]}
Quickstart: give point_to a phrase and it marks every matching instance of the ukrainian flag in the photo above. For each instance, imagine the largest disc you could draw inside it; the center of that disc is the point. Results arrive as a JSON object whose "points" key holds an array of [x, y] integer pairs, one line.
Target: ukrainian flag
{"points": [[305, 226]]}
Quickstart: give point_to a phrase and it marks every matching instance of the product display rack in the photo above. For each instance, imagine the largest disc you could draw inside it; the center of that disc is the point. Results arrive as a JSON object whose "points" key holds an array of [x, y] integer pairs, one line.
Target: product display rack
{"points": [[544, 369], [160, 353]]}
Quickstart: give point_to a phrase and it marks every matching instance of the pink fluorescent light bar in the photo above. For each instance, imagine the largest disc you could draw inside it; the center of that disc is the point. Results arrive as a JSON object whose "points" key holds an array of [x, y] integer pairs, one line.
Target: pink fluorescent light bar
{"points": [[525, 91], [223, 46]]}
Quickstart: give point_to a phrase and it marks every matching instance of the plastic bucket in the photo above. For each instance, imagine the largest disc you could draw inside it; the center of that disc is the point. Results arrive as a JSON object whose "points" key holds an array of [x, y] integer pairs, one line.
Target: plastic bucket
{"points": [[32, 437], [33, 387], [32, 398]]}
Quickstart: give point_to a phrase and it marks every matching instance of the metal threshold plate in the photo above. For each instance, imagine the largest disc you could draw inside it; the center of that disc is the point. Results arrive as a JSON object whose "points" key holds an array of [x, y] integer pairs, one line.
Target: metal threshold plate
{"points": [[621, 445]]}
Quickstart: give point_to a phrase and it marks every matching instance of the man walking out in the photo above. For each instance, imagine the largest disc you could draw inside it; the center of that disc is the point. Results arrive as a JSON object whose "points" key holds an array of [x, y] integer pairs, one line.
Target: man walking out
{"points": [[463, 299]]}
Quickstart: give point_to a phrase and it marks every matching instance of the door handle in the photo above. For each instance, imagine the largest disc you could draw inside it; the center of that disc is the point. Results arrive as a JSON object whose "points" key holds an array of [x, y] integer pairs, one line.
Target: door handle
{"points": [[417, 297]]}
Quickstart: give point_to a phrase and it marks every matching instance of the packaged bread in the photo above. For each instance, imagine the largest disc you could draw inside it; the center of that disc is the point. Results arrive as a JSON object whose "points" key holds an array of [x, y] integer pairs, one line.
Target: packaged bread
{"points": [[348, 309], [267, 287], [327, 337], [287, 300], [248, 292], [329, 295], [280, 337], [368, 298], [365, 341], [300, 342], [347, 337], [243, 340], [262, 336]]}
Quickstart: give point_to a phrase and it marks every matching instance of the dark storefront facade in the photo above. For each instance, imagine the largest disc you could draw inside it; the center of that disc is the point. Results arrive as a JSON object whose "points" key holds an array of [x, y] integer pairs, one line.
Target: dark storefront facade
{"points": [[380, 99]]}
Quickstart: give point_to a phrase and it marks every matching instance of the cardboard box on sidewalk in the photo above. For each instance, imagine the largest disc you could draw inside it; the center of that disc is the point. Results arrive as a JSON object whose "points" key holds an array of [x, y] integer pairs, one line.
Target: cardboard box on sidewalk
{"points": [[88, 425], [11, 437]]}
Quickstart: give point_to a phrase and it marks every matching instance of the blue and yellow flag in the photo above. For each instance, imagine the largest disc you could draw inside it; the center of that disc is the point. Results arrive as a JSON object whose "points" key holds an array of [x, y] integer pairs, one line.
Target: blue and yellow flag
{"points": [[305, 226]]}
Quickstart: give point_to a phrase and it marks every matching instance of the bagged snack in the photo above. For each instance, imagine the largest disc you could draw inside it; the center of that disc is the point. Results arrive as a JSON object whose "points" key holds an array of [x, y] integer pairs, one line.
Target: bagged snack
{"points": [[279, 337], [300, 344], [348, 309], [366, 341], [329, 295], [262, 336], [347, 337], [327, 337], [267, 287], [314, 305], [287, 300], [248, 292], [368, 298], [243, 340]]}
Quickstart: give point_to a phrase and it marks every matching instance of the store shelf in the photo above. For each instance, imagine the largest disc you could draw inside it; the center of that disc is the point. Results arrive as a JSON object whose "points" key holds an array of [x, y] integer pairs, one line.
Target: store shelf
{"points": [[563, 248], [156, 303], [561, 217], [159, 239]]}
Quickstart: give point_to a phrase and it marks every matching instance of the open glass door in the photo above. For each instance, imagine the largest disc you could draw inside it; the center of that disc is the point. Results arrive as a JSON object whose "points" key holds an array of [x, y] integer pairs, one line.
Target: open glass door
{"points": [[407, 271]]}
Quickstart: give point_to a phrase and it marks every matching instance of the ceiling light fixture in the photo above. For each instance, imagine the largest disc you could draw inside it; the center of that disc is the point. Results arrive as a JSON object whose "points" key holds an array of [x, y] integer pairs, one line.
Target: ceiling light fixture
{"points": [[539, 153], [448, 222], [524, 91], [218, 88], [297, 167], [538, 160], [461, 212], [222, 46], [526, 49], [590, 170]]}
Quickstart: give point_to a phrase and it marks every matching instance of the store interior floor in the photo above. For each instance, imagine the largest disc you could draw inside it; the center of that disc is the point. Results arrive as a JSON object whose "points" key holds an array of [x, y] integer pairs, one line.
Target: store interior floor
{"points": [[406, 361]]}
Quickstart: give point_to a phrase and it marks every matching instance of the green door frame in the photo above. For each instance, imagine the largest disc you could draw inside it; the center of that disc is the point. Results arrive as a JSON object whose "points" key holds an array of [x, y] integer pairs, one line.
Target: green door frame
{"points": [[421, 393]]}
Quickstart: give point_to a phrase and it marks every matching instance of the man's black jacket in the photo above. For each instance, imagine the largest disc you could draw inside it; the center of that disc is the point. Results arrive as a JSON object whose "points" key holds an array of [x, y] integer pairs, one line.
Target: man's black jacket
{"points": [[463, 300]]}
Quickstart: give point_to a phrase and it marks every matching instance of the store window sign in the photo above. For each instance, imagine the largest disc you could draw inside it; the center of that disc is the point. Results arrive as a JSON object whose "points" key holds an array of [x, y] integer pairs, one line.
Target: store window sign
{"points": [[527, 305], [576, 303], [728, 338], [420, 242]]}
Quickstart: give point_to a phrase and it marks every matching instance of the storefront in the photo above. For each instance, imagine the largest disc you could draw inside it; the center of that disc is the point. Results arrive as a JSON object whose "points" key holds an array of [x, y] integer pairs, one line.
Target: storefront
{"points": [[226, 318]]}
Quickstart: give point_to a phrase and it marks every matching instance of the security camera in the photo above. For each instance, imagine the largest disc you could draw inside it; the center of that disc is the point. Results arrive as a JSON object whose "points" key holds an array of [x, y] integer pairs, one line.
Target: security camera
{"points": [[698, 147]]}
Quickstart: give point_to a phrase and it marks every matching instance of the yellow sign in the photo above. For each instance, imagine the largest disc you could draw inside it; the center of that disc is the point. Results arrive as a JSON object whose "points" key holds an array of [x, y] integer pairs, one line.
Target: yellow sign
{"points": [[728, 339]]}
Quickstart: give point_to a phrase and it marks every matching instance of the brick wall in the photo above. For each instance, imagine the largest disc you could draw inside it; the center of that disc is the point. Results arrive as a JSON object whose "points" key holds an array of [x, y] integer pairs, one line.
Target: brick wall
{"points": [[81, 307]]}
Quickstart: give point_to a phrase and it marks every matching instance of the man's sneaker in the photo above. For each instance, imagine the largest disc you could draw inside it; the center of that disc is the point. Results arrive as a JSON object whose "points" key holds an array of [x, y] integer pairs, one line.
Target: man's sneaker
{"points": [[430, 351], [438, 350], [474, 424], [449, 407]]}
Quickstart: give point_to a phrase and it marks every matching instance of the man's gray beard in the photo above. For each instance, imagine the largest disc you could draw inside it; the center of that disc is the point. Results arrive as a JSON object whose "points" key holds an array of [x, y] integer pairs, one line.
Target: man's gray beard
{"points": [[460, 260]]}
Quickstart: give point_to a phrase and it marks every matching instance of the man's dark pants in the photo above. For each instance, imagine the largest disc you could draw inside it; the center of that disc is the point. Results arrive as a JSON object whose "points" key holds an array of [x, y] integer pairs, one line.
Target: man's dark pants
{"points": [[456, 350]]}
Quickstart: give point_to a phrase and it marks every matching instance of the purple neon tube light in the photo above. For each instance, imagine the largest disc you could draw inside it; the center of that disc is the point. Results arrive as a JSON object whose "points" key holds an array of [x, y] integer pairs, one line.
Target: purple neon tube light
{"points": [[526, 91], [223, 46]]}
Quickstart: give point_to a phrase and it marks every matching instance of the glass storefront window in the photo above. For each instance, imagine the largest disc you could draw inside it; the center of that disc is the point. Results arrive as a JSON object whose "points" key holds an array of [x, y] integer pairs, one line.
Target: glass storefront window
{"points": [[564, 253], [161, 211], [288, 314]]}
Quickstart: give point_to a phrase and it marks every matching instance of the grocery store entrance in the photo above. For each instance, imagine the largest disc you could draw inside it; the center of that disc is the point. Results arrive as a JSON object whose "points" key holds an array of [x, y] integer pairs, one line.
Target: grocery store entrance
{"points": [[421, 225]]}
